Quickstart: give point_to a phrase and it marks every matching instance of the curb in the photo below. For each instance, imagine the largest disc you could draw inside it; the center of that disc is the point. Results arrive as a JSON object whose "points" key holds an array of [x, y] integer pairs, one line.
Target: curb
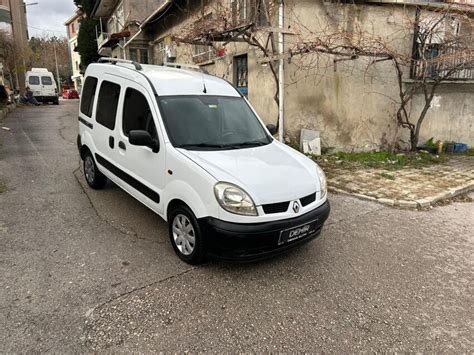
{"points": [[5, 111], [413, 204]]}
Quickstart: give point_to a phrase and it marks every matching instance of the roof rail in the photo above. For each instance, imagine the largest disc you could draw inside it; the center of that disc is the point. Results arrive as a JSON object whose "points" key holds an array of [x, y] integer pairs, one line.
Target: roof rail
{"points": [[116, 60], [185, 66]]}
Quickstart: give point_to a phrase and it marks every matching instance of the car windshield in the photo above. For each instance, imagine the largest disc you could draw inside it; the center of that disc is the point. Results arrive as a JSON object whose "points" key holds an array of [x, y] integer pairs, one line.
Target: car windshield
{"points": [[211, 123]]}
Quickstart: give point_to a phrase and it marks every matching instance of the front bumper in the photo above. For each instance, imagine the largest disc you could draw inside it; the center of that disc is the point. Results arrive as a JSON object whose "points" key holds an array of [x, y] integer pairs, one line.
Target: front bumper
{"points": [[249, 242]]}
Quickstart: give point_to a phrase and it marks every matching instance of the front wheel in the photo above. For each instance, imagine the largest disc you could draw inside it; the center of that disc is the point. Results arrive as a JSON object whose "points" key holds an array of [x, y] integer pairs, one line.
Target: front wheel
{"points": [[94, 177], [186, 236]]}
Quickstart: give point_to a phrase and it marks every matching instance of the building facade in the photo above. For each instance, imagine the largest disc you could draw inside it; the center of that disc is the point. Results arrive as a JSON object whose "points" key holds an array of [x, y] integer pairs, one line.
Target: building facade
{"points": [[13, 22], [73, 24], [118, 33], [350, 101]]}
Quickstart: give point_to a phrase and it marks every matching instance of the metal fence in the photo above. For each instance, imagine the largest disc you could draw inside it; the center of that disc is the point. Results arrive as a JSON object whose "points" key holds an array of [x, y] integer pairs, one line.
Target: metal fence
{"points": [[454, 64]]}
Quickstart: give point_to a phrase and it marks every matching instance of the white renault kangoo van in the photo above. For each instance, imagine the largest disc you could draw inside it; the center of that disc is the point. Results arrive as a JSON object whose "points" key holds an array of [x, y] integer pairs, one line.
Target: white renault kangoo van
{"points": [[191, 148]]}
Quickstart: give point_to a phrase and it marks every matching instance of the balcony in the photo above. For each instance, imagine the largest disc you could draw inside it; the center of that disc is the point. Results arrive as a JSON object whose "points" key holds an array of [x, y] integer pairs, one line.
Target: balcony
{"points": [[102, 39], [450, 64]]}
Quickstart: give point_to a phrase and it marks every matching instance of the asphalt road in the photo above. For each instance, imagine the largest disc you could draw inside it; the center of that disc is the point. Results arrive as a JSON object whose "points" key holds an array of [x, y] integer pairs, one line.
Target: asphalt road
{"points": [[82, 270]]}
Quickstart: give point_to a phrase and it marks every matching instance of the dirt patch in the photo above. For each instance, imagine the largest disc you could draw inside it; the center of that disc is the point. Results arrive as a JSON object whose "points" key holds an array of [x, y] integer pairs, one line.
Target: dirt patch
{"points": [[403, 181], [3, 187]]}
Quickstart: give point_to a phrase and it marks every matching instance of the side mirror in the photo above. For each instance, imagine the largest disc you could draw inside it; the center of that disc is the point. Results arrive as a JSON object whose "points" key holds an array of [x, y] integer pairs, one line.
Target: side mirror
{"points": [[272, 129], [143, 138]]}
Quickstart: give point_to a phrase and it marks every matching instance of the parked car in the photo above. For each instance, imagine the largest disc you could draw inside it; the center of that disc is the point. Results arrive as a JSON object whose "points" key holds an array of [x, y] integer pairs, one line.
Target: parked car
{"points": [[70, 94], [41, 82], [191, 148]]}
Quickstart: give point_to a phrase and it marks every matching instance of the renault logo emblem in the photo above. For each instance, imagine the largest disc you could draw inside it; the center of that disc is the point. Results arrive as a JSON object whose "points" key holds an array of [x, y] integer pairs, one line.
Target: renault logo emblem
{"points": [[296, 207]]}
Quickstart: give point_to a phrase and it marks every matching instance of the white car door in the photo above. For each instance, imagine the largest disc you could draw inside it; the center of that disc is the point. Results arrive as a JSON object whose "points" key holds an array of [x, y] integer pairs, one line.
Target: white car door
{"points": [[144, 169], [105, 125], [48, 86]]}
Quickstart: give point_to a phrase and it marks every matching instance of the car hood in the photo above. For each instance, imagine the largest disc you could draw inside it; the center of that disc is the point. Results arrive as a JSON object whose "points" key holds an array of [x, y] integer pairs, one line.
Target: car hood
{"points": [[271, 173]]}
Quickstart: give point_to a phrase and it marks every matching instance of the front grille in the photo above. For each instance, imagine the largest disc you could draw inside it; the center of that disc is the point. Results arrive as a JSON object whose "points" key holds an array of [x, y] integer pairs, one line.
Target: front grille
{"points": [[276, 207], [305, 201]]}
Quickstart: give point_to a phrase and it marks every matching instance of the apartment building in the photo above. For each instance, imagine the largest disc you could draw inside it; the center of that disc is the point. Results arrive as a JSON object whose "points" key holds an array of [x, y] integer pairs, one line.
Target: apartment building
{"points": [[118, 30], [73, 24], [349, 100], [13, 21]]}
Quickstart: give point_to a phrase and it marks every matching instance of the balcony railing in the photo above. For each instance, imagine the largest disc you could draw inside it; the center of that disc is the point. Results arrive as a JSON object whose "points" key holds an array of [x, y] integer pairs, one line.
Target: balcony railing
{"points": [[102, 38], [450, 64]]}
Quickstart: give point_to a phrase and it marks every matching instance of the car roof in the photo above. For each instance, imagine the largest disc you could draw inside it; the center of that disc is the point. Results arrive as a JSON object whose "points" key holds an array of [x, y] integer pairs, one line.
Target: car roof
{"points": [[168, 81]]}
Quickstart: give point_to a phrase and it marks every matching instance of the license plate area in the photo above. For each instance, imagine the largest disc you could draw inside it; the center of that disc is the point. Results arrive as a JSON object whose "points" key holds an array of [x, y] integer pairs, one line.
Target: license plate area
{"points": [[294, 233]]}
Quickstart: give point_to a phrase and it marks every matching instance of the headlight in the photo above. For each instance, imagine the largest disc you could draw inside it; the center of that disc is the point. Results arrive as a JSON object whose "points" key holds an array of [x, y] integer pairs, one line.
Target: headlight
{"points": [[234, 200], [322, 181]]}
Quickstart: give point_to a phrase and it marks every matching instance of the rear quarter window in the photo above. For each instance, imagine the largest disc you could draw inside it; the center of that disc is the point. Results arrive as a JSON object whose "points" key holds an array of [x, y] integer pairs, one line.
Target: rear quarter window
{"points": [[88, 94], [34, 80], [46, 80], [107, 104]]}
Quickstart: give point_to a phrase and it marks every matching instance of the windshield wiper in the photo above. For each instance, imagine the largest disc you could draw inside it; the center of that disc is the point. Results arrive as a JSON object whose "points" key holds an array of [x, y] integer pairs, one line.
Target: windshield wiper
{"points": [[250, 144], [202, 145], [223, 146]]}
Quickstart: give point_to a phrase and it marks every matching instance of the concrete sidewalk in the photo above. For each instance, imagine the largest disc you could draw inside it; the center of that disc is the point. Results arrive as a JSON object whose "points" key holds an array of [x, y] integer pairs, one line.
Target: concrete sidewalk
{"points": [[408, 187]]}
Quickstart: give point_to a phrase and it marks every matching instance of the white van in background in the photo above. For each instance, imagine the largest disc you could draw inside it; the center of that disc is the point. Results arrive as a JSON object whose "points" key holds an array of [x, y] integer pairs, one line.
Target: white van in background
{"points": [[43, 85]]}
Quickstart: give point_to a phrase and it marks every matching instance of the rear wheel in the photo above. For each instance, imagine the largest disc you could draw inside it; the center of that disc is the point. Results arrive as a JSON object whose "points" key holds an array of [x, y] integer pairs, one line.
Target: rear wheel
{"points": [[94, 177], [186, 236]]}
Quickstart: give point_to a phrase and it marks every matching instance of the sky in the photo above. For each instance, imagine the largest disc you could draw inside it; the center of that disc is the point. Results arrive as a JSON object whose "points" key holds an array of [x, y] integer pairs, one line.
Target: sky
{"points": [[48, 16]]}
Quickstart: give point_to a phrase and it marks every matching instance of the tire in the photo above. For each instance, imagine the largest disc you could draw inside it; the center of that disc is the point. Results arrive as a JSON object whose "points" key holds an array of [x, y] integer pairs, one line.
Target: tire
{"points": [[56, 102], [187, 241], [93, 176]]}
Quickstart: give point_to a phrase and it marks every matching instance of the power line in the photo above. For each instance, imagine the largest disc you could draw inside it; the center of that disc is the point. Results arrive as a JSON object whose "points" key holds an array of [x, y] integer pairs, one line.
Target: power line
{"points": [[35, 28]]}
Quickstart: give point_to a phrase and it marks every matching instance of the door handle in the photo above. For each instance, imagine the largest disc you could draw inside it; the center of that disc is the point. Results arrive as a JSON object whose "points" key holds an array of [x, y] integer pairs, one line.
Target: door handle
{"points": [[111, 142], [122, 145]]}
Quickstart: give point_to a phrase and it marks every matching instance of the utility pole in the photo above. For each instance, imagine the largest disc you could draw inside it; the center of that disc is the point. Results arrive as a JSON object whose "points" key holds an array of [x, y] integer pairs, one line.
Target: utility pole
{"points": [[281, 74], [57, 68]]}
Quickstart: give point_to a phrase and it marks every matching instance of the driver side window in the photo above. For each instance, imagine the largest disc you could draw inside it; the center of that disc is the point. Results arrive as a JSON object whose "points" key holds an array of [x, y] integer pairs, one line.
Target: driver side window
{"points": [[137, 114]]}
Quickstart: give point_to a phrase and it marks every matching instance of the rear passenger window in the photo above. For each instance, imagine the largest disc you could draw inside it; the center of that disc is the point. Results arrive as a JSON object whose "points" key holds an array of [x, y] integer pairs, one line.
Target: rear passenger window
{"points": [[88, 93], [34, 80], [107, 104], [46, 80], [137, 114]]}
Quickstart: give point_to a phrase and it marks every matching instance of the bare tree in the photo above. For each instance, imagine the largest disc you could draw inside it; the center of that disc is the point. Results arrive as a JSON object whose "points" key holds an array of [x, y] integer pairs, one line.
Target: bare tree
{"points": [[443, 51], [11, 55], [39, 55], [248, 21], [442, 47]]}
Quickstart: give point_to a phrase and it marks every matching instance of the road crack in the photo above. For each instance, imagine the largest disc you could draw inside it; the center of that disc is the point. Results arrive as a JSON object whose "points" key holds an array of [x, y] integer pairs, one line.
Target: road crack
{"points": [[355, 216], [103, 219], [179, 274]]}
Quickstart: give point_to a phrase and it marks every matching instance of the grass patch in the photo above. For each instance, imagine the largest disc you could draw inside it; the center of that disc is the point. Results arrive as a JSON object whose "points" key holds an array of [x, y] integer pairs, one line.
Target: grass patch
{"points": [[387, 176], [470, 152], [3, 187], [386, 160]]}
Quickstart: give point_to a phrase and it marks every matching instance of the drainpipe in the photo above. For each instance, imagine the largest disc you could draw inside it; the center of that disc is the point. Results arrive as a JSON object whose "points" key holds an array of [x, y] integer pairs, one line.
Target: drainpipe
{"points": [[281, 74]]}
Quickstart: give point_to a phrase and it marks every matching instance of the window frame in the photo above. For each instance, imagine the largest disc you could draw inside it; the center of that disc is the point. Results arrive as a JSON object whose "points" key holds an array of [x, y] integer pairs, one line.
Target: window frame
{"points": [[123, 111], [34, 76], [105, 81], [46, 77], [92, 97], [236, 66]]}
